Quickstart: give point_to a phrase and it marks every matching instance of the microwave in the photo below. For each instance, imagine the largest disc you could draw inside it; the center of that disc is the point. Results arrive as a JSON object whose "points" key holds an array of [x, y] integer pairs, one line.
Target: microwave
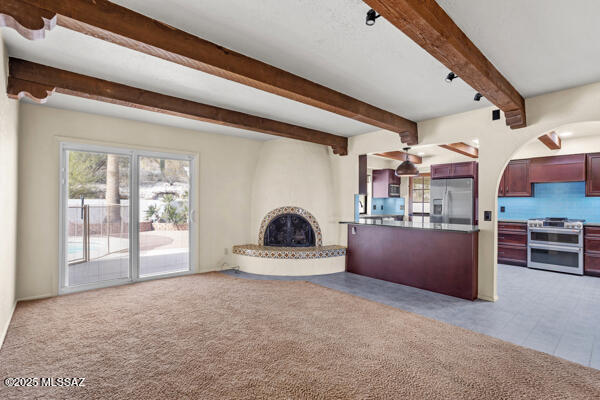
{"points": [[394, 191]]}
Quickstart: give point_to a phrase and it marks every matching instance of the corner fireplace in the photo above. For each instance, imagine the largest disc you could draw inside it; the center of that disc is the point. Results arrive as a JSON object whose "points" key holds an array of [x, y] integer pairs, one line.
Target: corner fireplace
{"points": [[289, 230], [290, 227]]}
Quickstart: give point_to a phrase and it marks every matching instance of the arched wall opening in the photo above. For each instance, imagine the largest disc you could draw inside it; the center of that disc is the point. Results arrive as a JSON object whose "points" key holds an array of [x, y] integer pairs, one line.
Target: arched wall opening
{"points": [[577, 138]]}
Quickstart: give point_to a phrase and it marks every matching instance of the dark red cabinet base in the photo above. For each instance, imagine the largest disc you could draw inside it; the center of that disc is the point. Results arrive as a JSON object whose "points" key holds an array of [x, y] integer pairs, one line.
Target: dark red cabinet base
{"points": [[440, 261], [591, 263], [512, 243]]}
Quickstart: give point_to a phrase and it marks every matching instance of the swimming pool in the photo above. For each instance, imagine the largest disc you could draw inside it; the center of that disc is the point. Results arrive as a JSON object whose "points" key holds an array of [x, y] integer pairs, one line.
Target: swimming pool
{"points": [[98, 248]]}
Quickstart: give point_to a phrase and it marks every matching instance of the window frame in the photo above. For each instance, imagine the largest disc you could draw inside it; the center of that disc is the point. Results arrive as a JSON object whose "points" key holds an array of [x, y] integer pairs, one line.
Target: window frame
{"points": [[134, 155], [411, 194]]}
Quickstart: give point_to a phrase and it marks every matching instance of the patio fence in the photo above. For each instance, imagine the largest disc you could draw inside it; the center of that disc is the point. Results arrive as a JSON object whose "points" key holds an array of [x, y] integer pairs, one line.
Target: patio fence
{"points": [[96, 231]]}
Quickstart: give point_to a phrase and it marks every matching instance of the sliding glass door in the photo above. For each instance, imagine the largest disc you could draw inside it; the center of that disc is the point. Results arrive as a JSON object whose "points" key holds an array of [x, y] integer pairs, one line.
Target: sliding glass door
{"points": [[97, 217], [125, 215], [164, 235]]}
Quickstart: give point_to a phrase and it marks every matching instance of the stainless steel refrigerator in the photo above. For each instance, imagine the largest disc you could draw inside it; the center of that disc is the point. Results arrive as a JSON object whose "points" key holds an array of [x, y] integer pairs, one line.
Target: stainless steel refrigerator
{"points": [[452, 201]]}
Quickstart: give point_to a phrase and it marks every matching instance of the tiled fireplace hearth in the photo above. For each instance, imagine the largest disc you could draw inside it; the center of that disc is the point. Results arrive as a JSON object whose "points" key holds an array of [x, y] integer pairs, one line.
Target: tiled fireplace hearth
{"points": [[290, 242]]}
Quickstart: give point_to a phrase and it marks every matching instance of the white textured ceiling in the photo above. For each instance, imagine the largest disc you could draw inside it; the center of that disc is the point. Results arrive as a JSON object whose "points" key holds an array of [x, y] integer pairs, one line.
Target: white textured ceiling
{"points": [[539, 45]]}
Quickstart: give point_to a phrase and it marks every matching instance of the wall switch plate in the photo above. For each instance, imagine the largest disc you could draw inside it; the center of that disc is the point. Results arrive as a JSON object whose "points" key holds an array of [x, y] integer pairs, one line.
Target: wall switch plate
{"points": [[374, 207], [487, 215], [502, 209]]}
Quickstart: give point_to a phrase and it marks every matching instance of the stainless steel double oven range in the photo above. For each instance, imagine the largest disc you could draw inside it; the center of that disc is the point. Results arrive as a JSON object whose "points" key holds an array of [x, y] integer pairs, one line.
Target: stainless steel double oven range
{"points": [[555, 244]]}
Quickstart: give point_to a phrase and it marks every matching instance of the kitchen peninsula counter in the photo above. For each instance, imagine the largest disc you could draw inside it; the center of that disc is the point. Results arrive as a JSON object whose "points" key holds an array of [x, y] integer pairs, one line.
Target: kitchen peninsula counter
{"points": [[417, 225], [438, 257]]}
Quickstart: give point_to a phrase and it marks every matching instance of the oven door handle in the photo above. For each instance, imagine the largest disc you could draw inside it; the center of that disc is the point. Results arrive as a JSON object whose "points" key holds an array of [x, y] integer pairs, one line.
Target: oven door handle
{"points": [[554, 230], [571, 249]]}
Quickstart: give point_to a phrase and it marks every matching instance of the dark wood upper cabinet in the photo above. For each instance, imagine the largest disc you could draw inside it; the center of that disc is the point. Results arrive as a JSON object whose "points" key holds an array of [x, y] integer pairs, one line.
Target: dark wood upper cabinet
{"points": [[592, 184], [464, 169], [385, 183], [501, 187], [454, 170], [362, 174], [441, 171], [516, 179], [569, 168]]}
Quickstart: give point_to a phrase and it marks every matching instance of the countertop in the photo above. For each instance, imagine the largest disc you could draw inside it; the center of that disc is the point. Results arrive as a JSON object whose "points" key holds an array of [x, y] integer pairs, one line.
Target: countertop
{"points": [[524, 221], [418, 225], [368, 216]]}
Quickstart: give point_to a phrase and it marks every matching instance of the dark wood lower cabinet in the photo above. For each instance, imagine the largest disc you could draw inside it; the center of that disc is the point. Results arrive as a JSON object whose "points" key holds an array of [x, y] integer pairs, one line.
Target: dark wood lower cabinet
{"points": [[512, 243], [441, 261], [516, 255], [592, 264], [591, 259]]}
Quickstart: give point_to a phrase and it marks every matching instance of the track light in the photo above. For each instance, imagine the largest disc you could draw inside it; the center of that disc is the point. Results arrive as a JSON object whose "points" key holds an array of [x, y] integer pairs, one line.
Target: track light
{"points": [[478, 96], [450, 77], [371, 17]]}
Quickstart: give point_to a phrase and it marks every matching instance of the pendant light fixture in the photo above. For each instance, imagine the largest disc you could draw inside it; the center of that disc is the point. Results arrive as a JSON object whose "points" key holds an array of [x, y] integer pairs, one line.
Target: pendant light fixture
{"points": [[407, 168]]}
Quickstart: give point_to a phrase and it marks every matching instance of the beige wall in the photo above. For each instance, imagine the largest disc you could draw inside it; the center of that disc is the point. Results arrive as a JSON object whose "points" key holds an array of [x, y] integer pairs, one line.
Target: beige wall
{"points": [[498, 144], [294, 173], [226, 172], [8, 198]]}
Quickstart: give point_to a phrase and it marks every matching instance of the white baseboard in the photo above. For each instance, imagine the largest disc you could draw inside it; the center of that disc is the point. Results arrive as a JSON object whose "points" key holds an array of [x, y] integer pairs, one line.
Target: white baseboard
{"points": [[486, 298], [5, 327], [38, 297]]}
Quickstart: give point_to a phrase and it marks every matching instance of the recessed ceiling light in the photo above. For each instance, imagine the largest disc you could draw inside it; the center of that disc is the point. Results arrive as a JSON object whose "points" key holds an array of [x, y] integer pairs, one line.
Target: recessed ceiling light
{"points": [[421, 154], [565, 134], [476, 141]]}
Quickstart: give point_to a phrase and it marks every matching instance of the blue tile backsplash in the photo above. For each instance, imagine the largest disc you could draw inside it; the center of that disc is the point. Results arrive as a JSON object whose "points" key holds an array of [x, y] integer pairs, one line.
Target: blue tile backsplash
{"points": [[552, 200], [391, 205]]}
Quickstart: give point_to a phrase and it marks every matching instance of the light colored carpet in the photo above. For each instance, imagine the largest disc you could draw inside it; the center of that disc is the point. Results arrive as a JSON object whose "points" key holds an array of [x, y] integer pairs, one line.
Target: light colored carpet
{"points": [[214, 336]]}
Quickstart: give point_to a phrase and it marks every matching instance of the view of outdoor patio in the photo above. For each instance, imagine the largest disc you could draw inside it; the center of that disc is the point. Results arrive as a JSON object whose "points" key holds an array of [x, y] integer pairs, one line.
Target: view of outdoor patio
{"points": [[98, 217]]}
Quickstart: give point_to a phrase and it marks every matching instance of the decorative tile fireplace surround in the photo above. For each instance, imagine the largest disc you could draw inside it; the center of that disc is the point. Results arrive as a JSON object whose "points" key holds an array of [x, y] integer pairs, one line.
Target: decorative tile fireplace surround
{"points": [[303, 252]]}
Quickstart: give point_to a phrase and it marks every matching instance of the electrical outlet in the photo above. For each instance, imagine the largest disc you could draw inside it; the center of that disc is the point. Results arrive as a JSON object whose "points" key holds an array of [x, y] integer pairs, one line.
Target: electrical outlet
{"points": [[374, 207], [502, 209]]}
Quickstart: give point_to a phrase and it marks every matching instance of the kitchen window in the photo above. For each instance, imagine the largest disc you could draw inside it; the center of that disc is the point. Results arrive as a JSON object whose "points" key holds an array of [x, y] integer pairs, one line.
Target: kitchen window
{"points": [[419, 197]]}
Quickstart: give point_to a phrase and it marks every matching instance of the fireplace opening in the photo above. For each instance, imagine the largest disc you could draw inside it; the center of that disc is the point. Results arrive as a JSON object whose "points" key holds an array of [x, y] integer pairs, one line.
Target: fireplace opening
{"points": [[289, 230]]}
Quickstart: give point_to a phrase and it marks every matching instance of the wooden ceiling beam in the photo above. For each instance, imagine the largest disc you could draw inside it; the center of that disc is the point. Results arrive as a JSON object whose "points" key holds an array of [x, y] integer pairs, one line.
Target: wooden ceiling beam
{"points": [[551, 140], [401, 156], [116, 24], [38, 81], [462, 148], [427, 24]]}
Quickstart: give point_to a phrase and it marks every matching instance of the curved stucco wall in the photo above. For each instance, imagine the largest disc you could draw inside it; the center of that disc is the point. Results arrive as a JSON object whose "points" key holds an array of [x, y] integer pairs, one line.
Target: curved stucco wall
{"points": [[293, 173]]}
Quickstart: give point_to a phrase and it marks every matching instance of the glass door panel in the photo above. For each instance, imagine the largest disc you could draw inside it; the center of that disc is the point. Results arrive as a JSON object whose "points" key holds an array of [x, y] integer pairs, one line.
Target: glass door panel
{"points": [[96, 218], [164, 204]]}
